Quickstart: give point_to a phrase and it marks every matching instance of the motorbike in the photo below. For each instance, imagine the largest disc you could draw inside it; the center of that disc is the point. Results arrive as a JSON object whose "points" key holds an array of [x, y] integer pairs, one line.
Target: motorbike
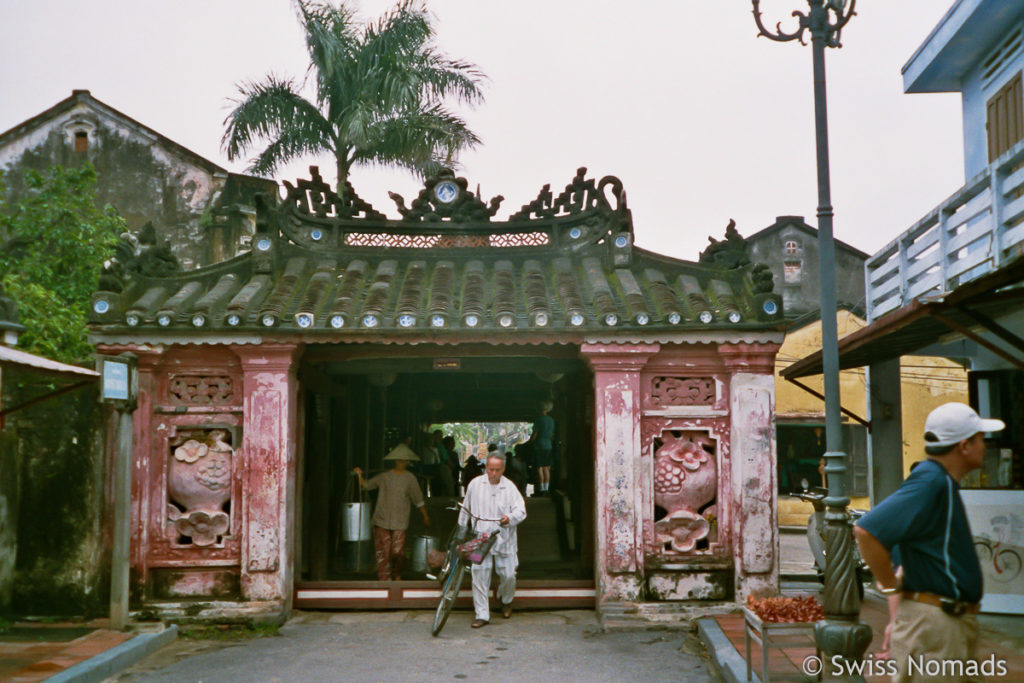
{"points": [[816, 534]]}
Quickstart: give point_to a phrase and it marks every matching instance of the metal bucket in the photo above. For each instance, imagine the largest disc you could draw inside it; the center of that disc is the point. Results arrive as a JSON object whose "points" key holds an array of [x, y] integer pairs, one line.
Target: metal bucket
{"points": [[359, 556], [355, 522], [421, 545]]}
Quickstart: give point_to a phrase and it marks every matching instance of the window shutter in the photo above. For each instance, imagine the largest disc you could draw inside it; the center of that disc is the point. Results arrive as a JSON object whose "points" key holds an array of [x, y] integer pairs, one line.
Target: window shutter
{"points": [[1005, 122]]}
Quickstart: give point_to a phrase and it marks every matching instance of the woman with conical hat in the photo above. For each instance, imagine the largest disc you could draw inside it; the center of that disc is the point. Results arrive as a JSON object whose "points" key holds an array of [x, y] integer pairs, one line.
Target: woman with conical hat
{"points": [[398, 488]]}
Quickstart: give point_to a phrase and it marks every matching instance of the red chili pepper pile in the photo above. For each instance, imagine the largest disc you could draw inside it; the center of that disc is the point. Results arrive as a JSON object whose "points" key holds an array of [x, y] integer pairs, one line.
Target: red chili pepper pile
{"points": [[786, 610]]}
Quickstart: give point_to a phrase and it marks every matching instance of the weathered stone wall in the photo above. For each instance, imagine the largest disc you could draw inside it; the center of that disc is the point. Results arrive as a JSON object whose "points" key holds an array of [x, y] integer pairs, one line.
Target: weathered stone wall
{"points": [[52, 497], [138, 180], [797, 268], [200, 209]]}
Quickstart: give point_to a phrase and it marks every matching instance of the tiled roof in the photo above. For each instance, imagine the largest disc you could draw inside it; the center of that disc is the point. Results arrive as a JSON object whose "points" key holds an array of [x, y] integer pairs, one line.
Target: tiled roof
{"points": [[324, 264]]}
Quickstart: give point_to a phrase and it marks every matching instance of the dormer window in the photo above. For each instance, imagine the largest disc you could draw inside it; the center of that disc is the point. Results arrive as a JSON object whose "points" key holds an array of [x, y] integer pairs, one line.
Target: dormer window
{"points": [[80, 134]]}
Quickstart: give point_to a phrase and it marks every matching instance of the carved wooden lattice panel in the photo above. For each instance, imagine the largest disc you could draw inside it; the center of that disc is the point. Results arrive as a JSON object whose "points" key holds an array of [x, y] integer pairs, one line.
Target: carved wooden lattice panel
{"points": [[374, 239], [201, 389], [525, 239], [443, 241], [683, 391]]}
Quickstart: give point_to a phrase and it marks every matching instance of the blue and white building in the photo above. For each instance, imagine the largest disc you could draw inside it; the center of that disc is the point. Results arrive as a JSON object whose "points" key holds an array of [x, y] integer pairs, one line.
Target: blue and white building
{"points": [[952, 284]]}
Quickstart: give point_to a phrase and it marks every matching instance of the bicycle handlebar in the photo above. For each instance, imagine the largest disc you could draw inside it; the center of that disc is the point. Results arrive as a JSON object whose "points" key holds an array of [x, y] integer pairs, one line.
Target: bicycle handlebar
{"points": [[459, 505]]}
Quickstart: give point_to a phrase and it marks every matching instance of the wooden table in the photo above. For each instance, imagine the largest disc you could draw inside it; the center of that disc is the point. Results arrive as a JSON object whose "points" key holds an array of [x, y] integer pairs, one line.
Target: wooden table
{"points": [[769, 635]]}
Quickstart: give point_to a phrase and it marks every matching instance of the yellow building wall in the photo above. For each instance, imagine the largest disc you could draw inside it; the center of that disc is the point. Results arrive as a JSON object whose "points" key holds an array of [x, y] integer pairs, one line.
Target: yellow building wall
{"points": [[925, 382]]}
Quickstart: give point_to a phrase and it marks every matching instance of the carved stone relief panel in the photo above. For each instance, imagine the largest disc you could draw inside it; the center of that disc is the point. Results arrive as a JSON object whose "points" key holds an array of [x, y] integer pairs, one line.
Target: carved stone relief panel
{"points": [[201, 390], [682, 391], [199, 482], [685, 492]]}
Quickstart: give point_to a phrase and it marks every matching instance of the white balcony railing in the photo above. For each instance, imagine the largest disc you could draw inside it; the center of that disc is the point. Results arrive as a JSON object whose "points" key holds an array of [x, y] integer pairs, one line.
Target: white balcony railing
{"points": [[979, 227]]}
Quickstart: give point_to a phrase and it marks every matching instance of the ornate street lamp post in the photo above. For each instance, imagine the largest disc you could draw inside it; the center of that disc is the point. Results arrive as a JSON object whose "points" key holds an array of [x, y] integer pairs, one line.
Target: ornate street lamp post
{"points": [[841, 632]]}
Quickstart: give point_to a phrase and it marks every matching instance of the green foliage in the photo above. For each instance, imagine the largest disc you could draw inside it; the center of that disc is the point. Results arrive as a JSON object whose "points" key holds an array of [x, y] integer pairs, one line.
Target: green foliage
{"points": [[471, 434], [379, 96], [56, 241]]}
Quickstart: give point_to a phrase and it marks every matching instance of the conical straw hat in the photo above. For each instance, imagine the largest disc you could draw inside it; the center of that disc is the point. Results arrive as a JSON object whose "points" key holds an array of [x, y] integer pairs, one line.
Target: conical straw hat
{"points": [[402, 452]]}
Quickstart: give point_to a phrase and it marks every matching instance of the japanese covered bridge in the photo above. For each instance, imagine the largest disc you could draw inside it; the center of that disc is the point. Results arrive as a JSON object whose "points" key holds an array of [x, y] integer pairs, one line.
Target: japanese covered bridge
{"points": [[264, 379]]}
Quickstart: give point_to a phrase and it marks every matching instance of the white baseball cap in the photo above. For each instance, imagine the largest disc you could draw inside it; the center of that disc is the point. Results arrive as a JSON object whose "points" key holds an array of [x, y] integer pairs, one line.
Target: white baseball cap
{"points": [[951, 423]]}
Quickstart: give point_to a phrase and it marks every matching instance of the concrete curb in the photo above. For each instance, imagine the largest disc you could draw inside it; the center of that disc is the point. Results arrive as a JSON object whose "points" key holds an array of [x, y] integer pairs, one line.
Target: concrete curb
{"points": [[106, 664], [731, 665]]}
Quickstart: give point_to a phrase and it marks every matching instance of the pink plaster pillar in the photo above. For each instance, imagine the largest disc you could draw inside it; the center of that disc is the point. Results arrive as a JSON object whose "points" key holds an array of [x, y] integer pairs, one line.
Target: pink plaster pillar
{"points": [[268, 461], [754, 476], [619, 564]]}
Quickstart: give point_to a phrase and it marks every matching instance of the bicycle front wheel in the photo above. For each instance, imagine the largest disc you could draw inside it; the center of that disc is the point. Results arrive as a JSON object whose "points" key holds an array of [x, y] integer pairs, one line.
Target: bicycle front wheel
{"points": [[449, 593]]}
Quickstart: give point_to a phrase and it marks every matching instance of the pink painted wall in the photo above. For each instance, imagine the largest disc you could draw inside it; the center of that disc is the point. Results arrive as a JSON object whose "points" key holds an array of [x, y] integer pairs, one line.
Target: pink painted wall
{"points": [[251, 391], [718, 395]]}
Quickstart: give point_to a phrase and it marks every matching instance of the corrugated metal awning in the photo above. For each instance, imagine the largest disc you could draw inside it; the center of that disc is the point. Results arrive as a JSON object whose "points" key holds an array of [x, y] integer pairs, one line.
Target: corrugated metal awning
{"points": [[969, 310], [9, 357]]}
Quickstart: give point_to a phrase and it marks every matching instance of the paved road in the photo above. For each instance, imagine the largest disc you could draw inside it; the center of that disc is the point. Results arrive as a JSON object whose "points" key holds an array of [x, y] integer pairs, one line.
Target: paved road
{"points": [[397, 646], [794, 554]]}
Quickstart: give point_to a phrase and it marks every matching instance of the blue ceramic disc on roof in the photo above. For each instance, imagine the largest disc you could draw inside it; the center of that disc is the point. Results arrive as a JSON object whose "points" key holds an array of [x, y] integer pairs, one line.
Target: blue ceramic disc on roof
{"points": [[446, 192]]}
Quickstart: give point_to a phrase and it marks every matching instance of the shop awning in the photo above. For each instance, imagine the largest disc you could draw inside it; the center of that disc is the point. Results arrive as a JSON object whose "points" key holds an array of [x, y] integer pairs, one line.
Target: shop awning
{"points": [[13, 357], [20, 359], [970, 311]]}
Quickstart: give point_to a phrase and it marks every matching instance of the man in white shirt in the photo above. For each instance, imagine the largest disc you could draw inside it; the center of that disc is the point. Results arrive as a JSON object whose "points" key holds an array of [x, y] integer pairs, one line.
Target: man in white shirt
{"points": [[493, 497]]}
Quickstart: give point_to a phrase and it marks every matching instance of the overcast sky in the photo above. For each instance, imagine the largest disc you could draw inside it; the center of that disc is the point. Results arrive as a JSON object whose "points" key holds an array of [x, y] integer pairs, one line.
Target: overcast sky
{"points": [[700, 119]]}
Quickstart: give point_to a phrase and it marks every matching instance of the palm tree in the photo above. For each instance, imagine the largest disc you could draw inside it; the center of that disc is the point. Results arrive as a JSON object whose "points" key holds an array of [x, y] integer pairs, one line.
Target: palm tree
{"points": [[380, 93]]}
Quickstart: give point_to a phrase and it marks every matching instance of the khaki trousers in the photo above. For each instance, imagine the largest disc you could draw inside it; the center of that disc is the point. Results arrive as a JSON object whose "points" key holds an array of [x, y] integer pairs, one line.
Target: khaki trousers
{"points": [[924, 633]]}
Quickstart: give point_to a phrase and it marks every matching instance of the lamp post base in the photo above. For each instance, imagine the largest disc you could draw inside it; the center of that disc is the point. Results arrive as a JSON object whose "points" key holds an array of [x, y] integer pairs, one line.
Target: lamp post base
{"points": [[848, 639]]}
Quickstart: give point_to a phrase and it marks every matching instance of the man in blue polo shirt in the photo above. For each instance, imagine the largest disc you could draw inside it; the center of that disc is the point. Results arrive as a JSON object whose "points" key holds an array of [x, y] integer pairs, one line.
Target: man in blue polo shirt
{"points": [[940, 585]]}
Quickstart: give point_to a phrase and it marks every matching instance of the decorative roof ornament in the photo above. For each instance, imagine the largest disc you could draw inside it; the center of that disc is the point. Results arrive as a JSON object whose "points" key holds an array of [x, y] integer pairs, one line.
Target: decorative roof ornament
{"points": [[139, 253], [581, 195], [762, 278], [564, 266], [445, 197], [314, 197], [728, 253]]}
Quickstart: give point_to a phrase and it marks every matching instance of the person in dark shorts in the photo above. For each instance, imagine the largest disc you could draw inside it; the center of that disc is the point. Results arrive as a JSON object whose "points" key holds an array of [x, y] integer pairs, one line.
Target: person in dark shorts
{"points": [[543, 444]]}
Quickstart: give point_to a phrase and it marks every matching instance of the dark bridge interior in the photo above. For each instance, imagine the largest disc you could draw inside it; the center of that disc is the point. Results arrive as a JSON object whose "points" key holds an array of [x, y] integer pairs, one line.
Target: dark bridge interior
{"points": [[359, 401]]}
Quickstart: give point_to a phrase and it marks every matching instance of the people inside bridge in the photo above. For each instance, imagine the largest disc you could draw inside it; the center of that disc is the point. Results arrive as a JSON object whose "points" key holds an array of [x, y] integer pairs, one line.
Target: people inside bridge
{"points": [[500, 508], [473, 467], [543, 446], [515, 468], [453, 460], [398, 490], [440, 473]]}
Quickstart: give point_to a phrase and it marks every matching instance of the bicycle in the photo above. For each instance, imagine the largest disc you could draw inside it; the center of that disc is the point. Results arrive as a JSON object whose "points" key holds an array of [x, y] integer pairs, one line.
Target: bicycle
{"points": [[453, 568], [1006, 562]]}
